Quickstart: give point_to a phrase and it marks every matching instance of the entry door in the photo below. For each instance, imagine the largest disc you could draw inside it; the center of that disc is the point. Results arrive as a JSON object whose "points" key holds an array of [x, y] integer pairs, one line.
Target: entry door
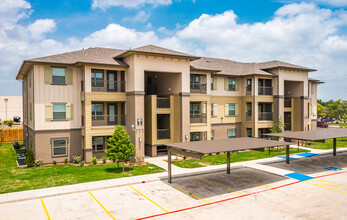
{"points": [[112, 114], [112, 80]]}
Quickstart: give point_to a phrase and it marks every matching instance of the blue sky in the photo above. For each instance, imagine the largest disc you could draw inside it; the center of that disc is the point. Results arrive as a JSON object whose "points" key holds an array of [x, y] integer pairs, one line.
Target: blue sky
{"points": [[312, 33]]}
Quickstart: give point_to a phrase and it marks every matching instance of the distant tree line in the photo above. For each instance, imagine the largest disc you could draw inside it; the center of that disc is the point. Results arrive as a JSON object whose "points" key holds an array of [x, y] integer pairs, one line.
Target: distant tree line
{"points": [[333, 109]]}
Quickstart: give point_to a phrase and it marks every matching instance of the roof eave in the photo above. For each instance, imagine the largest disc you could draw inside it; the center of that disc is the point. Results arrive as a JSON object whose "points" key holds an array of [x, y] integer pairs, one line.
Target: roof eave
{"points": [[307, 69], [122, 55]]}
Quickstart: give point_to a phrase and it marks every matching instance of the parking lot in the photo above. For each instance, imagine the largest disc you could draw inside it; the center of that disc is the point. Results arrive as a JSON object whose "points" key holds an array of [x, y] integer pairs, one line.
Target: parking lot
{"points": [[243, 194]]}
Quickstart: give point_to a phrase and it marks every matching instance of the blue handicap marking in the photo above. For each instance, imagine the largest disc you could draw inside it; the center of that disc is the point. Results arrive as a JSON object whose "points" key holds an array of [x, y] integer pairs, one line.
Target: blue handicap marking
{"points": [[284, 157], [307, 154], [299, 176], [333, 168]]}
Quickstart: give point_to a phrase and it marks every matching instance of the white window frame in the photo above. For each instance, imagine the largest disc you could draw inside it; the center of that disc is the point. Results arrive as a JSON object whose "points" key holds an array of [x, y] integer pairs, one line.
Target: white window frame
{"points": [[231, 109], [58, 76], [53, 147], [58, 111]]}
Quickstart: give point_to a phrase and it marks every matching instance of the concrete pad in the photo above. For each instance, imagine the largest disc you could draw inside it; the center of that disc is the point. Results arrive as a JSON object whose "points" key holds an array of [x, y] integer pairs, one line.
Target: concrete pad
{"points": [[23, 210]]}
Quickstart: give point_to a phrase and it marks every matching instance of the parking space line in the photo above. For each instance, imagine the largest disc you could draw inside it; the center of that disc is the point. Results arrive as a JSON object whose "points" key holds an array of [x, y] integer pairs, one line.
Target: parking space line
{"points": [[188, 192], [210, 181], [331, 163], [44, 207], [102, 206], [319, 161], [325, 186], [253, 181], [148, 198], [342, 164]]}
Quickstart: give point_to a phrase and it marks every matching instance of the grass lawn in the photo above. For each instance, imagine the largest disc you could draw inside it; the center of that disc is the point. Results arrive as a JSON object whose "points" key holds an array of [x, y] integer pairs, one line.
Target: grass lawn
{"points": [[15, 179], [234, 157], [341, 142]]}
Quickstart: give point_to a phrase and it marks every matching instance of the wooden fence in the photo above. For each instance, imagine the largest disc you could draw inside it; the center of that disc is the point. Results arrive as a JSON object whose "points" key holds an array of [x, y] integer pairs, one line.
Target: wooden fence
{"points": [[11, 134]]}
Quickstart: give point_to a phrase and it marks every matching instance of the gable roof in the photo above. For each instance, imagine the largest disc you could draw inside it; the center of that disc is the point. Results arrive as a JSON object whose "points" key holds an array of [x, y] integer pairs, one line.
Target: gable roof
{"points": [[151, 49], [276, 64]]}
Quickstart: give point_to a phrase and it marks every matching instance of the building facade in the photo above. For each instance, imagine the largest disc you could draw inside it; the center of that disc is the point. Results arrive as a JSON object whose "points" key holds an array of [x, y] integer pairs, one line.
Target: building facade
{"points": [[72, 101], [11, 107]]}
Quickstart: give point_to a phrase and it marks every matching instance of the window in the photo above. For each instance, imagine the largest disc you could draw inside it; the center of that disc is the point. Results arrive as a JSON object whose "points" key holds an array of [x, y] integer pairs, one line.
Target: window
{"points": [[97, 111], [98, 143], [212, 135], [212, 114], [194, 82], [231, 84], [249, 132], [232, 110], [58, 76], [59, 147], [194, 110], [97, 78], [195, 136], [213, 81], [59, 111], [249, 87], [231, 133]]}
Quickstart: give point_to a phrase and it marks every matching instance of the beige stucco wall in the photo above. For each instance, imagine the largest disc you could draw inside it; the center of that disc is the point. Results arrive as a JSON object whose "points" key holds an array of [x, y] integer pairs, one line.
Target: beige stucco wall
{"points": [[11, 106], [221, 130]]}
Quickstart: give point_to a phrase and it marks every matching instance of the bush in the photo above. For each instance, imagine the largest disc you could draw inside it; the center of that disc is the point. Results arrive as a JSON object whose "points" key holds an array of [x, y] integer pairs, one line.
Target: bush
{"points": [[81, 163], [65, 161], [30, 160], [104, 160], [76, 159], [10, 123], [54, 162], [38, 162], [94, 160]]}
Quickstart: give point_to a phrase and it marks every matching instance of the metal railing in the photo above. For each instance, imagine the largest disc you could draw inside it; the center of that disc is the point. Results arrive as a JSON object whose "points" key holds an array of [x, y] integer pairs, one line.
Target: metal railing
{"points": [[100, 85], [108, 120], [197, 118], [198, 88], [288, 126], [265, 90], [248, 116], [248, 90], [287, 102], [163, 102], [265, 116], [163, 134]]}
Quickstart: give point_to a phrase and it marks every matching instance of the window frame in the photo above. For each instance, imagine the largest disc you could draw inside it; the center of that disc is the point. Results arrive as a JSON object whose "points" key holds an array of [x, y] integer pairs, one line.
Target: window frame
{"points": [[95, 116], [229, 110], [231, 84], [54, 83], [66, 146], [94, 146], [195, 134], [94, 79], [229, 137], [212, 134], [194, 112], [56, 119]]}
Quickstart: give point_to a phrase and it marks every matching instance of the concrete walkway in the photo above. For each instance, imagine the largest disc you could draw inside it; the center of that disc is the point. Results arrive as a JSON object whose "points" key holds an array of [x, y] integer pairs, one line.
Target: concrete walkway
{"points": [[159, 161]]}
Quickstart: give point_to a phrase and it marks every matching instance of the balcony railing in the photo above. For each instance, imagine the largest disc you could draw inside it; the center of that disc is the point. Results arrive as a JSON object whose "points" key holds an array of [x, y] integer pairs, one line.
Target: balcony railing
{"points": [[100, 85], [265, 116], [248, 116], [163, 102], [248, 90], [288, 126], [108, 120], [287, 102], [197, 118], [198, 88], [163, 134], [265, 90]]}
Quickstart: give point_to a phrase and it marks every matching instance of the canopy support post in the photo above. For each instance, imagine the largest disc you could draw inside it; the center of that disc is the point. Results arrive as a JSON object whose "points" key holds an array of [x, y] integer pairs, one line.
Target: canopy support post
{"points": [[169, 165], [287, 154], [334, 146], [228, 162]]}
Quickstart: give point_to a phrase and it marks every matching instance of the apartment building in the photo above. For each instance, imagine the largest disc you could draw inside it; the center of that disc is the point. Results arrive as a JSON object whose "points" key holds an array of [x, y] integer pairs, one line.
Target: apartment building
{"points": [[72, 101]]}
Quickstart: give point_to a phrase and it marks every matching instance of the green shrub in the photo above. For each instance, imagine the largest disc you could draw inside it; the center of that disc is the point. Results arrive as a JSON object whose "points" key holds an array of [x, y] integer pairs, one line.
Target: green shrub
{"points": [[39, 162], [104, 160], [10, 123], [76, 159], [65, 161], [54, 162], [30, 160], [94, 160], [81, 163]]}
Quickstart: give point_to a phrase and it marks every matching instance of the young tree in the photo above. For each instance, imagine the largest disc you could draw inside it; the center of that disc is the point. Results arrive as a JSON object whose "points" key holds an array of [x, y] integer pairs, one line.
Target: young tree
{"points": [[120, 146], [30, 160], [343, 121], [278, 127]]}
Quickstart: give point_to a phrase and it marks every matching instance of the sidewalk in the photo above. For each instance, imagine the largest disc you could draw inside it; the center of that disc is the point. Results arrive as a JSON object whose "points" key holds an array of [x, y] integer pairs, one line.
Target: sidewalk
{"points": [[159, 161]]}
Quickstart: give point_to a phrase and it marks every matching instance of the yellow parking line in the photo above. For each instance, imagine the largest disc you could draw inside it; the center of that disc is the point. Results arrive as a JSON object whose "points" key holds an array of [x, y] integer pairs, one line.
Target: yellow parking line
{"points": [[319, 161], [188, 193], [44, 207], [338, 184], [219, 185], [342, 164], [102, 206], [331, 163], [319, 185], [240, 177], [148, 198]]}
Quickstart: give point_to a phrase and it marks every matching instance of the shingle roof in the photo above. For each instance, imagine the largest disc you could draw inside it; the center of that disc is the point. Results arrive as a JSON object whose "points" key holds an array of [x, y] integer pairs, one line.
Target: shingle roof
{"points": [[276, 64], [151, 49], [92, 55]]}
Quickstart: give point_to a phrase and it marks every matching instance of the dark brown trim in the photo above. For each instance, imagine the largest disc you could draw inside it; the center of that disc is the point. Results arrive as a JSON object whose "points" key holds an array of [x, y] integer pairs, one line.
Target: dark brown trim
{"points": [[279, 96], [184, 94], [303, 97], [225, 124], [135, 93], [54, 130]]}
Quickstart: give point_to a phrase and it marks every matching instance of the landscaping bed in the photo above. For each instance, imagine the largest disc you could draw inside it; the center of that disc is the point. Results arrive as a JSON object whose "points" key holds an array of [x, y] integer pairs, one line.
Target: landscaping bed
{"points": [[234, 157], [17, 179]]}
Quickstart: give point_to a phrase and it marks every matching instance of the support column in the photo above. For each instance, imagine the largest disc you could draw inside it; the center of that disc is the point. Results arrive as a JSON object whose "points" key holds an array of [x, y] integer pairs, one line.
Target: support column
{"points": [[169, 165], [334, 147], [287, 154], [228, 162]]}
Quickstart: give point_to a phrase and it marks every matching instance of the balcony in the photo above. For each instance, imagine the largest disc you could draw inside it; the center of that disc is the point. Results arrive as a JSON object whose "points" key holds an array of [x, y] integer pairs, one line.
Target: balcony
{"points": [[265, 116], [265, 90], [287, 102], [248, 90], [163, 102], [197, 118], [100, 85], [248, 116], [163, 134], [198, 88], [108, 120]]}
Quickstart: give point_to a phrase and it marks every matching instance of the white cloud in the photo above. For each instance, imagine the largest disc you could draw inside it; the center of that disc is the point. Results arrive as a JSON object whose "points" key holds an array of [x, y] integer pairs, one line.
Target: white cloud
{"points": [[141, 16], [334, 3], [104, 4], [40, 27]]}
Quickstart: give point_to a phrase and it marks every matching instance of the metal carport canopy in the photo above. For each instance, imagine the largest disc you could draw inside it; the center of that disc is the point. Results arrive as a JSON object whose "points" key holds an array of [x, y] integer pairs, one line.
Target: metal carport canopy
{"points": [[199, 148], [316, 135]]}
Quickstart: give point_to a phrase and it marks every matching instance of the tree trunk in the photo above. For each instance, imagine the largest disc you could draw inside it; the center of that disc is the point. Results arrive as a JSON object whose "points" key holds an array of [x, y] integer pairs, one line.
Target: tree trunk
{"points": [[123, 166]]}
